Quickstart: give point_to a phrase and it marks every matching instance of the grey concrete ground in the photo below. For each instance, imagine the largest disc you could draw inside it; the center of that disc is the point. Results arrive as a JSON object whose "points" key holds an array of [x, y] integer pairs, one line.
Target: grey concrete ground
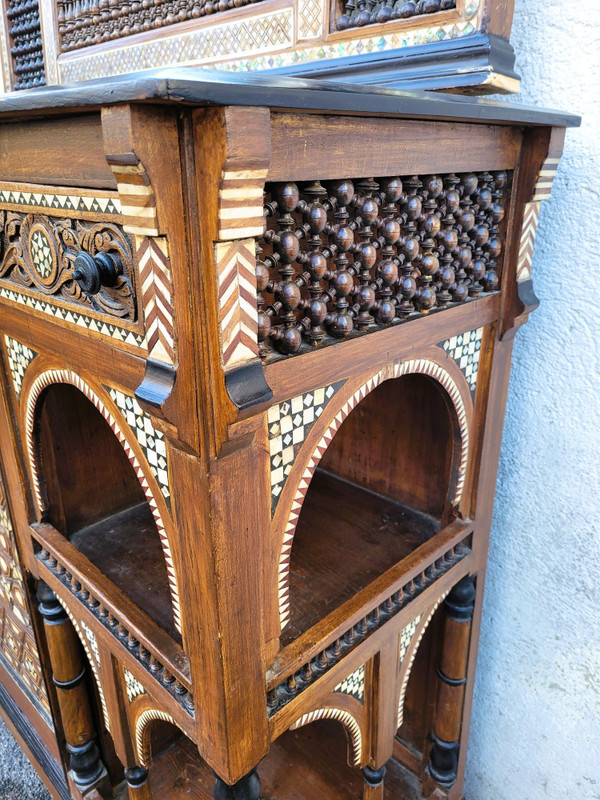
{"points": [[18, 779]]}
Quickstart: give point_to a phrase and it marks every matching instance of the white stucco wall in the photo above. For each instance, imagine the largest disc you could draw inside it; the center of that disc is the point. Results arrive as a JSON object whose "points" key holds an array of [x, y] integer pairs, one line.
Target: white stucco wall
{"points": [[535, 732]]}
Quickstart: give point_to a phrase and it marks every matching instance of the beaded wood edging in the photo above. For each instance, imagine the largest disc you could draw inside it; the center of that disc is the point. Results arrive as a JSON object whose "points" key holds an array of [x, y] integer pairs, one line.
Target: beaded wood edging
{"points": [[143, 653], [291, 687]]}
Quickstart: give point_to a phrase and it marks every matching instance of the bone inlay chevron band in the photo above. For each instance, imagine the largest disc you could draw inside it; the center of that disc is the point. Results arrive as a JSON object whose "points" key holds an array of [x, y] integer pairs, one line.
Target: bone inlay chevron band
{"points": [[422, 366], [347, 720], [50, 377], [241, 204], [142, 740], [543, 187], [157, 297], [138, 204], [527, 243], [238, 313]]}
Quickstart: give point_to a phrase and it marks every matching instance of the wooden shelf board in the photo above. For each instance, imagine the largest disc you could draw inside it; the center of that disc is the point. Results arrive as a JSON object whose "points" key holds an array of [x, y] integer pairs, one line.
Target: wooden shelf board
{"points": [[346, 537], [125, 547]]}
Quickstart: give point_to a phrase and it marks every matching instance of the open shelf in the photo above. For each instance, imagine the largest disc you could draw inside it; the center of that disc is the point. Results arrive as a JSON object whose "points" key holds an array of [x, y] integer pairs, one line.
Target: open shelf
{"points": [[305, 764], [95, 500], [382, 489], [125, 545], [366, 534]]}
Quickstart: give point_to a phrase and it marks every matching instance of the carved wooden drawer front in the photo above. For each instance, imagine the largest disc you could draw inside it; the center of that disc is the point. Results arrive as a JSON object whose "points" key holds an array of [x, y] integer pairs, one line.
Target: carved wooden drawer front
{"points": [[250, 422]]}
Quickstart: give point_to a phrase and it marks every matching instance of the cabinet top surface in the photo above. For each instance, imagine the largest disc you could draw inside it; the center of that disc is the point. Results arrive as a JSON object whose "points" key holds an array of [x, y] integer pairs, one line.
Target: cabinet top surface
{"points": [[192, 86]]}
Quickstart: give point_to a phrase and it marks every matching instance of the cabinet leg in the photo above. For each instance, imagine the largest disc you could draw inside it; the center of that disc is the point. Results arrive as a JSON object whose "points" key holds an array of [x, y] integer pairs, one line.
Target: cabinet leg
{"points": [[458, 608], [247, 788], [138, 783], [68, 675], [373, 783]]}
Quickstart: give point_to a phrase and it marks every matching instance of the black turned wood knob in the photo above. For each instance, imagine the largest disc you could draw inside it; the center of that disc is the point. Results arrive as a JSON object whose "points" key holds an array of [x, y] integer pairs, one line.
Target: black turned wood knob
{"points": [[94, 272]]}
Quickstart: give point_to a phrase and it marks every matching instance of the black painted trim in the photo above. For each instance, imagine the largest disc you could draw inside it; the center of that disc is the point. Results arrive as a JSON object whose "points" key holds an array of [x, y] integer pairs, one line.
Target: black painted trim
{"points": [[188, 85], [247, 387], [449, 64], [29, 735]]}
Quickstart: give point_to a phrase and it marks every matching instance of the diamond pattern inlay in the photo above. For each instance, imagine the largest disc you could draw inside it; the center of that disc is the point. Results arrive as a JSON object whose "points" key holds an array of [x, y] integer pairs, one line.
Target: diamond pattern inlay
{"points": [[289, 425], [41, 253], [133, 686], [151, 441], [465, 349], [19, 358], [406, 636], [354, 684]]}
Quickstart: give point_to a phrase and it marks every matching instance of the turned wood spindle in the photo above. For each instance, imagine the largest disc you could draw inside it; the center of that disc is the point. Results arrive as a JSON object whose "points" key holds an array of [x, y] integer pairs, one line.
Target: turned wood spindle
{"points": [[373, 783], [458, 616], [247, 788], [68, 675], [138, 784]]}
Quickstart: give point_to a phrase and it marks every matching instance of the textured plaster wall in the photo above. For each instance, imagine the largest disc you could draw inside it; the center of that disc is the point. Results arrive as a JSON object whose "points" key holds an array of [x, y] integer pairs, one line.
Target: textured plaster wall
{"points": [[535, 732]]}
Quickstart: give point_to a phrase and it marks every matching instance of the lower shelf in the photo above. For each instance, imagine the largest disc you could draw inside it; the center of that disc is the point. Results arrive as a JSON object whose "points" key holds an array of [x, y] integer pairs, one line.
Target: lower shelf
{"points": [[305, 764]]}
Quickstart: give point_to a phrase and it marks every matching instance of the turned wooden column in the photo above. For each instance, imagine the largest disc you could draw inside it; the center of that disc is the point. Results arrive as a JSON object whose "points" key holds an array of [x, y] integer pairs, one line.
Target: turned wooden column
{"points": [[452, 677], [138, 784], [373, 783], [247, 788], [68, 675]]}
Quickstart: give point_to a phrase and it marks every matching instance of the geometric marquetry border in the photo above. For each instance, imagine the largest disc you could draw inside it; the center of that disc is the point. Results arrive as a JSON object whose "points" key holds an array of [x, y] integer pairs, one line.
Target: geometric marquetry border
{"points": [[54, 376], [347, 720], [413, 655], [421, 366], [353, 685], [19, 358]]}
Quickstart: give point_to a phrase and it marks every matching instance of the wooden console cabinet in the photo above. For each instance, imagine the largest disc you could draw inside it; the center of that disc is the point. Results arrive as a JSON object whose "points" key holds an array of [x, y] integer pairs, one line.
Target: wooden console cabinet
{"points": [[255, 346]]}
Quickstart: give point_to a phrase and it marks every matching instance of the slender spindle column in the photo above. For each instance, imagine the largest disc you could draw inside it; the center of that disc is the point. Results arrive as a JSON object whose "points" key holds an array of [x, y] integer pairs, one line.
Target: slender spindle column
{"points": [[247, 788], [138, 783], [458, 607], [373, 783], [68, 675]]}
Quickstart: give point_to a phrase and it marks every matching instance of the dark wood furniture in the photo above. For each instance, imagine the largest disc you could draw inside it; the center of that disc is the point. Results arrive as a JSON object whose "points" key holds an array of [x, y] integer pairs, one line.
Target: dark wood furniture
{"points": [[459, 45], [256, 342]]}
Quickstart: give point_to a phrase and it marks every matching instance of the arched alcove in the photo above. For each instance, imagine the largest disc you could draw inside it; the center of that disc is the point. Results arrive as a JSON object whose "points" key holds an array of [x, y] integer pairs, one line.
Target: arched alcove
{"points": [[94, 498], [385, 485]]}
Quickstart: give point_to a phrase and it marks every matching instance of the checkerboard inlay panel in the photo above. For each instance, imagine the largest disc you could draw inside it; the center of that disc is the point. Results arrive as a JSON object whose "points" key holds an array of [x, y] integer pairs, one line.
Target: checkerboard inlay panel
{"points": [[133, 686], [19, 358], [465, 349], [151, 441], [289, 425], [41, 253], [406, 636], [353, 685]]}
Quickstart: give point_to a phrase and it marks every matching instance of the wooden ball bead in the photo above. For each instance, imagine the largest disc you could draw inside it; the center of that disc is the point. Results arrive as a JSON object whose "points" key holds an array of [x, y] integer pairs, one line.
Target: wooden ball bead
{"points": [[469, 183], [392, 188], [317, 311], [464, 256], [290, 295], [365, 297], [342, 22], [343, 283], [413, 207], [317, 265], [288, 196], [317, 218], [478, 269], [344, 237], [430, 264], [411, 248], [450, 239], [288, 247], [425, 298], [452, 201], [383, 15], [460, 292], [431, 6], [494, 247], [370, 210], [408, 287], [447, 277], [435, 186], [501, 179], [363, 18], [466, 220], [490, 281], [262, 276], [264, 325], [391, 231], [342, 325], [408, 10], [343, 191], [388, 272], [497, 213], [482, 234], [368, 254], [484, 198], [291, 340], [386, 312]]}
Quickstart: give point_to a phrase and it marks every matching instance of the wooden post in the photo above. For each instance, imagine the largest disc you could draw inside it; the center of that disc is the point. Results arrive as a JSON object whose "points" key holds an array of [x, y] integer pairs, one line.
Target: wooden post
{"points": [[458, 608], [373, 783], [68, 675], [247, 788], [138, 783]]}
